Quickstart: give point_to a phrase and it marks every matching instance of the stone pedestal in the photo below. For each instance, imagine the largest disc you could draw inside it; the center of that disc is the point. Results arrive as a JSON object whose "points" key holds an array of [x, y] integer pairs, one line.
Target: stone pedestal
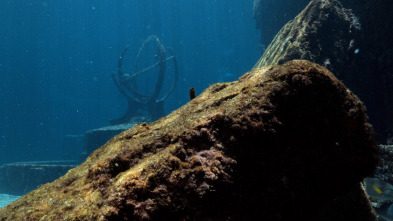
{"points": [[22, 177], [97, 137]]}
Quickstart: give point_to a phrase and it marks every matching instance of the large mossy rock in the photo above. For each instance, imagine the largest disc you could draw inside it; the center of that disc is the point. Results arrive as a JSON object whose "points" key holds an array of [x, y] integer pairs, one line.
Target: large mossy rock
{"points": [[280, 143]]}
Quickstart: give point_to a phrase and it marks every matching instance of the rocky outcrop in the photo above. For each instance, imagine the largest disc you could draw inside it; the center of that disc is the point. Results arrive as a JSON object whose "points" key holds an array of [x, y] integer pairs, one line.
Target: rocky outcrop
{"points": [[384, 170], [351, 39], [271, 15], [280, 143], [324, 32]]}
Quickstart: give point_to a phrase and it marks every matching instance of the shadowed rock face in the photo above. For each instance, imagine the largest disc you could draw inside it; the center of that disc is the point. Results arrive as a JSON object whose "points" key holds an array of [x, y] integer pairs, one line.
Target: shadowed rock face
{"points": [[279, 143], [350, 38]]}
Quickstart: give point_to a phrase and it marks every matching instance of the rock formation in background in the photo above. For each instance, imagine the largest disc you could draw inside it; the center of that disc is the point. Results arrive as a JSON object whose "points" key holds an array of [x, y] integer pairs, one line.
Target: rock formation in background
{"points": [[324, 32], [281, 143], [354, 44], [271, 15]]}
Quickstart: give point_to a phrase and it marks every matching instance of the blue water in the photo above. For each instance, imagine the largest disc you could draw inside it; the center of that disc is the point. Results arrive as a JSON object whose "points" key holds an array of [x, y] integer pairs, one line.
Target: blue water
{"points": [[56, 58], [6, 199]]}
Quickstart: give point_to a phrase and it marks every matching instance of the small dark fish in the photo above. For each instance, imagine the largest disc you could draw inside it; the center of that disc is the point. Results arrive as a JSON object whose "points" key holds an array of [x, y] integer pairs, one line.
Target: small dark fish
{"points": [[192, 93]]}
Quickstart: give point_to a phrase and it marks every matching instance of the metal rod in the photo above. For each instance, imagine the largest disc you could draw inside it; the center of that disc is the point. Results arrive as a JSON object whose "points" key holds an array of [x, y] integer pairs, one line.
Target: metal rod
{"points": [[145, 70]]}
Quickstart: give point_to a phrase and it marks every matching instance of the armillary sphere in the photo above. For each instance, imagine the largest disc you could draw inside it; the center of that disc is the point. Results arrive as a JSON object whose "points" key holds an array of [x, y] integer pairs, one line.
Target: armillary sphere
{"points": [[127, 85]]}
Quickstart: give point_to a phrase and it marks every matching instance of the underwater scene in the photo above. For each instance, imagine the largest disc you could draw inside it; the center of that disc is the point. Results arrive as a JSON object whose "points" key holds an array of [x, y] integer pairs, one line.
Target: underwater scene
{"points": [[196, 110]]}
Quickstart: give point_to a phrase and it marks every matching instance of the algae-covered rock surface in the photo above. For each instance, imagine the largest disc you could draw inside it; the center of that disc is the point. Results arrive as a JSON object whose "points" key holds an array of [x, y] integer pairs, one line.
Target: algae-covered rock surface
{"points": [[278, 144]]}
